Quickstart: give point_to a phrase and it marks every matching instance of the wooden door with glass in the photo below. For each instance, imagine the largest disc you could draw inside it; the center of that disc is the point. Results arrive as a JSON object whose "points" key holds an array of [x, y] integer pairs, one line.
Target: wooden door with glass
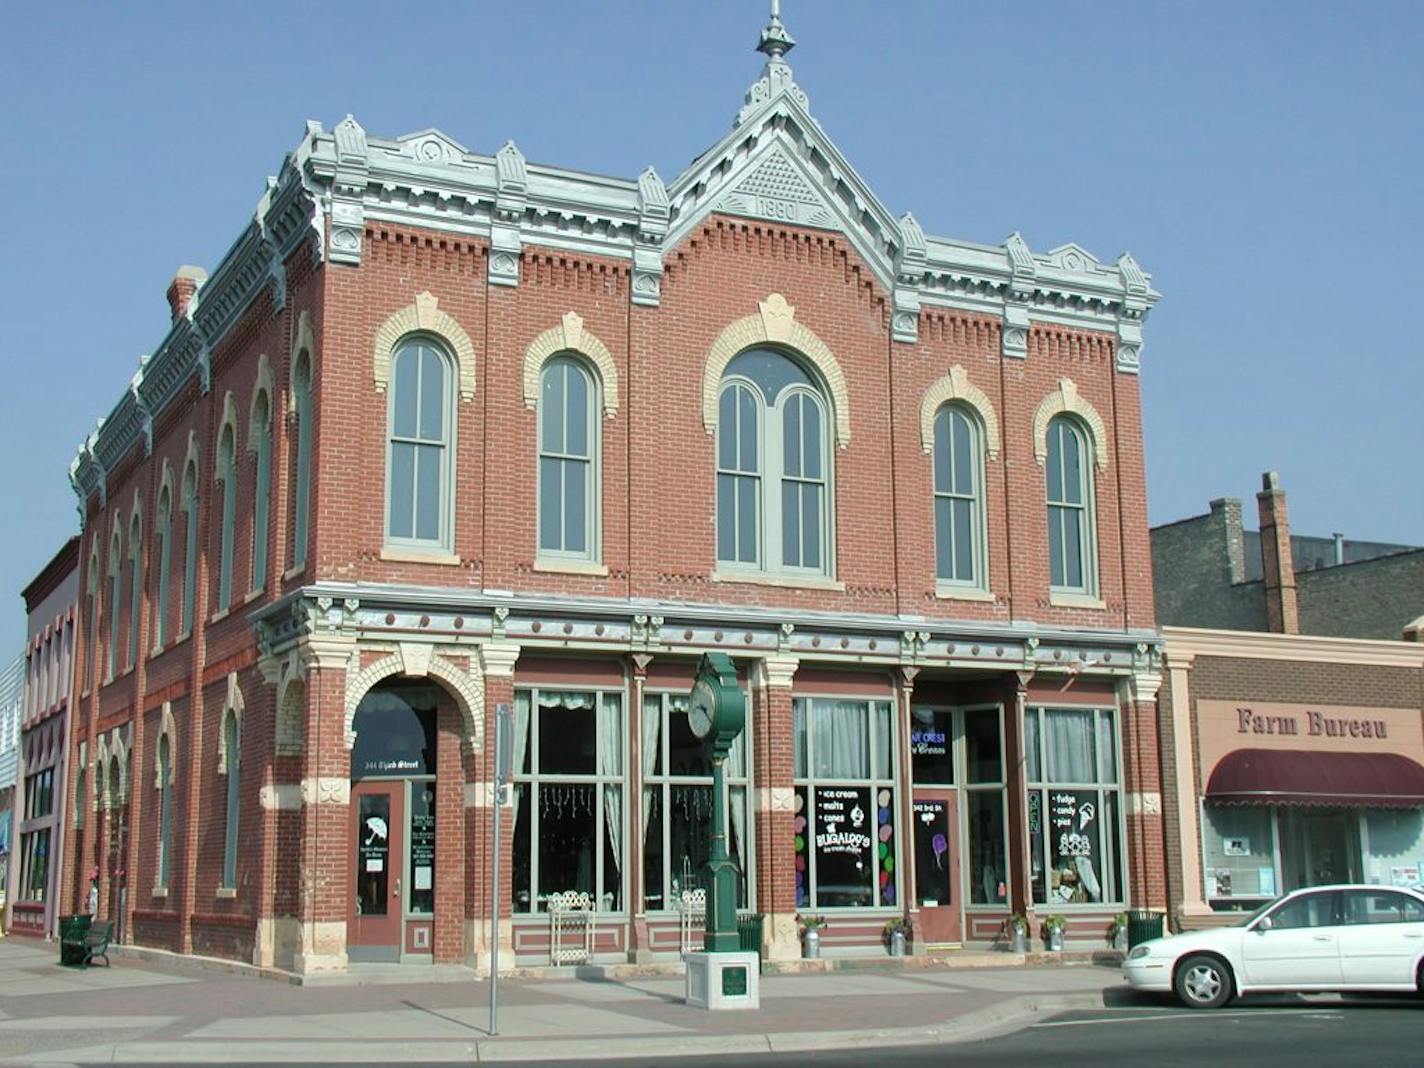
{"points": [[377, 905], [935, 825]]}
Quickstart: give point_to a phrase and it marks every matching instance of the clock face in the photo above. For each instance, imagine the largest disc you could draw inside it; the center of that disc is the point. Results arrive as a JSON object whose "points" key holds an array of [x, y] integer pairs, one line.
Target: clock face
{"points": [[702, 709]]}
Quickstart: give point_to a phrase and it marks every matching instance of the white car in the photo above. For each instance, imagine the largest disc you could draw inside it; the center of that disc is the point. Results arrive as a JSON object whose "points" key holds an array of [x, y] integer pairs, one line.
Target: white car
{"points": [[1338, 938]]}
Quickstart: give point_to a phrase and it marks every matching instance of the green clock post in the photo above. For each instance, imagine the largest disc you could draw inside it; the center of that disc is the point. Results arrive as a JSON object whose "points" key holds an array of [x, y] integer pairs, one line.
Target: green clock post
{"points": [[722, 976]]}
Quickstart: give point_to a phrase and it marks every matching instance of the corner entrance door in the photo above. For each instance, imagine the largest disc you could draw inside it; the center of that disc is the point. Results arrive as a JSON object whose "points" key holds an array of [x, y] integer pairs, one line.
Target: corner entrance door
{"points": [[378, 820], [936, 836]]}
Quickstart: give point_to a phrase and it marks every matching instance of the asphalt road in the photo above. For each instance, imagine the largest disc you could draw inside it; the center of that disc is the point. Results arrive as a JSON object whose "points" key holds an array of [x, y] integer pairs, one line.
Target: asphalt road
{"points": [[1304, 1033]]}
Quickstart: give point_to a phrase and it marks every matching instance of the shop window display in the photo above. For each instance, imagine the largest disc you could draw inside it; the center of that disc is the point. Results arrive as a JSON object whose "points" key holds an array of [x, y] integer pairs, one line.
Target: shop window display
{"points": [[677, 804], [1240, 853], [1074, 806], [1394, 846], [845, 844], [984, 798], [568, 797]]}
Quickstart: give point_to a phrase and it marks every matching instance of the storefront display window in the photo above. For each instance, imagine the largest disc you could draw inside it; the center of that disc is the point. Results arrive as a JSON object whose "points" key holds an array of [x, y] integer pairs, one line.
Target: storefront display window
{"points": [[568, 797], [1239, 846], [34, 852], [845, 842], [1074, 805], [984, 800], [395, 732], [677, 804], [931, 746], [1394, 846]]}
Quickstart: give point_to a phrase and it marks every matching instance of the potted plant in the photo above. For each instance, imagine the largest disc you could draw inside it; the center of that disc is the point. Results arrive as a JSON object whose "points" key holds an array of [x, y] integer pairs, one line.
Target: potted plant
{"points": [[811, 925], [1053, 931], [1117, 931], [896, 931], [1018, 933]]}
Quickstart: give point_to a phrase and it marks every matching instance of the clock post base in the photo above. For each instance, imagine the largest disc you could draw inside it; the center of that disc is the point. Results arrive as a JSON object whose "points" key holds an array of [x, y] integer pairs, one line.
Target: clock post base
{"points": [[718, 981]]}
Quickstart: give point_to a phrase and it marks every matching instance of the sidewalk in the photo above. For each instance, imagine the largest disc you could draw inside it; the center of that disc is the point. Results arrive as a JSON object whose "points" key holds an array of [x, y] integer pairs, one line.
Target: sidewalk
{"points": [[142, 1011]]}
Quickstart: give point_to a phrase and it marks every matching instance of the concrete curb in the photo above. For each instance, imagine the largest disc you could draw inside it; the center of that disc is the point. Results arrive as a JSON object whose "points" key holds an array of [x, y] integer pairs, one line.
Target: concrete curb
{"points": [[1008, 1015]]}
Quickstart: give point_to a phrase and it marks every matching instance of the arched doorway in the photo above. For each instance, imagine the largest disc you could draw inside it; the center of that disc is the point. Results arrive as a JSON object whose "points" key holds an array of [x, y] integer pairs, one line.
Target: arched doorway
{"points": [[393, 782]]}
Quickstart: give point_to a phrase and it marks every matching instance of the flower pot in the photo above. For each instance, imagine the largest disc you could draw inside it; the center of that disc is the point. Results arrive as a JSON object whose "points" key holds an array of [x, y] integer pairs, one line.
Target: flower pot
{"points": [[1120, 939], [897, 943], [1054, 940], [1018, 941], [811, 944]]}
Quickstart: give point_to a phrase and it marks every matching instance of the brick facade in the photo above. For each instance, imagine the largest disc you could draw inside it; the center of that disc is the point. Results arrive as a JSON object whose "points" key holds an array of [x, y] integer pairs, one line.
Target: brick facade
{"points": [[299, 647]]}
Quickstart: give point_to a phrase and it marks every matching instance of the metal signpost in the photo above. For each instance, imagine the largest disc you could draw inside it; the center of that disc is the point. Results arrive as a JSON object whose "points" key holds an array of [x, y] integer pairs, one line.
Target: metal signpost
{"points": [[503, 758]]}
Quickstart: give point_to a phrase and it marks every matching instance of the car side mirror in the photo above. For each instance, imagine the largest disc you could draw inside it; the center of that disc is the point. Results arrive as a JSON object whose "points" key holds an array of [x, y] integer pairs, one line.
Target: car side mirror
{"points": [[1264, 924]]}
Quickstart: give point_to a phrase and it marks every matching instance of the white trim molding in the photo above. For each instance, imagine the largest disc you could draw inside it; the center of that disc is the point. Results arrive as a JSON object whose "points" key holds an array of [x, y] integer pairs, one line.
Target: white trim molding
{"points": [[570, 336], [774, 324], [233, 705], [956, 386], [1184, 644], [1067, 400], [166, 729], [424, 316]]}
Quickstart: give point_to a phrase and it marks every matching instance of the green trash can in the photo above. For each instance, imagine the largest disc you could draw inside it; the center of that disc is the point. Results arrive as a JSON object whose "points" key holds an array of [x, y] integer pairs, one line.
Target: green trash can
{"points": [[73, 928], [1143, 926], [749, 930]]}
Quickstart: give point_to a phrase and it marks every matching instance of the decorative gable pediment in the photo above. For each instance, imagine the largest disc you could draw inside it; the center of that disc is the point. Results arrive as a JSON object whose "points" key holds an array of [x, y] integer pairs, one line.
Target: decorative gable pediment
{"points": [[777, 189], [432, 146], [1072, 257]]}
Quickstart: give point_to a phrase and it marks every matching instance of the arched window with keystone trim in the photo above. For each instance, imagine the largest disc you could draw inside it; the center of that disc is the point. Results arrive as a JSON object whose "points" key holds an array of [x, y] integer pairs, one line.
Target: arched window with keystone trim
{"points": [[260, 445], [1072, 548], [135, 586], [301, 478], [227, 475], [232, 762], [959, 497], [116, 557], [569, 497], [165, 811], [419, 460], [190, 545], [774, 490], [163, 520]]}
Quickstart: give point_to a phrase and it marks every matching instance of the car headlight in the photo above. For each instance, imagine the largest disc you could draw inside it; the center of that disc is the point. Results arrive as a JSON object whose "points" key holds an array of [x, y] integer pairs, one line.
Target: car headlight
{"points": [[1138, 952]]}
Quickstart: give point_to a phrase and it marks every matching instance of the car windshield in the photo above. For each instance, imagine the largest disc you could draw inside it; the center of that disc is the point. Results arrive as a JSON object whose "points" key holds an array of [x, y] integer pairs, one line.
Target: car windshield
{"points": [[1251, 917]]}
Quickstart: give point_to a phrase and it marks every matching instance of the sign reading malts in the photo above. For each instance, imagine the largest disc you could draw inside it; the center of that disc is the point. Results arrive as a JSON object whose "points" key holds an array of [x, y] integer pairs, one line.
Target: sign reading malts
{"points": [[842, 822]]}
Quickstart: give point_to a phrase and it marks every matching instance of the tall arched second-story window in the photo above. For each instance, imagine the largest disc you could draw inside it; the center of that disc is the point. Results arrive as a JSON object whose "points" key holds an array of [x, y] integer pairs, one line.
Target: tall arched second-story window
{"points": [[1072, 552], [91, 654], [190, 545], [958, 498], [418, 461], [165, 811], [569, 499], [232, 743], [135, 586], [773, 467], [301, 477], [163, 520], [227, 522], [260, 445], [116, 557]]}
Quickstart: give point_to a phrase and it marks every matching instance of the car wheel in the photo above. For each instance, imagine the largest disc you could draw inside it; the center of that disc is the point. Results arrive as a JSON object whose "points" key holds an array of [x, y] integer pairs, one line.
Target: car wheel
{"points": [[1203, 983]]}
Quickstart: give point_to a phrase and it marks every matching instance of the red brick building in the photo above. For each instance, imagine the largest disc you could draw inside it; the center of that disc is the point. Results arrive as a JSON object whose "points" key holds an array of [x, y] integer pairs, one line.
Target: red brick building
{"points": [[446, 430]]}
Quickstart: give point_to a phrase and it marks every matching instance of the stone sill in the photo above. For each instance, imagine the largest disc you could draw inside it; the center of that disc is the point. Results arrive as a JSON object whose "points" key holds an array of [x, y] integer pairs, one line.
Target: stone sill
{"points": [[226, 893], [420, 556], [1064, 599], [783, 581], [945, 592], [293, 572], [160, 891], [550, 566]]}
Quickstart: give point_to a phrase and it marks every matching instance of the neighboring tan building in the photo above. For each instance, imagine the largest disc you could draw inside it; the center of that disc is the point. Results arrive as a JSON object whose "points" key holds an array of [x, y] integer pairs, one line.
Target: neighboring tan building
{"points": [[50, 604], [446, 431], [1288, 759]]}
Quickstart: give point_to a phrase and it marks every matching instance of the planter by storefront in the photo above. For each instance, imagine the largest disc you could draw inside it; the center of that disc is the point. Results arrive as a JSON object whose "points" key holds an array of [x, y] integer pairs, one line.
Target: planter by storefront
{"points": [[1018, 941], [1053, 940], [811, 944], [897, 943], [1119, 938]]}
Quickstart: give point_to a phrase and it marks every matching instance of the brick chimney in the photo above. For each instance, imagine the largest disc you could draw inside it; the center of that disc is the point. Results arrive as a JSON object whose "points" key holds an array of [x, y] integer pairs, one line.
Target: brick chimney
{"points": [[1227, 512], [1277, 564], [180, 291]]}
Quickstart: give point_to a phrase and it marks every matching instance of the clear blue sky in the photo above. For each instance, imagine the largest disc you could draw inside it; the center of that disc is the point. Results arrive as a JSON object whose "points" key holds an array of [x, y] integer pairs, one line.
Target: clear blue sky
{"points": [[1262, 160]]}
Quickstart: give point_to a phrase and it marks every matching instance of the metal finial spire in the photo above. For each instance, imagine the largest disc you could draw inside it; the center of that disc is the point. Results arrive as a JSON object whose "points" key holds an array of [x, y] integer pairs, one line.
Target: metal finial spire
{"points": [[775, 41]]}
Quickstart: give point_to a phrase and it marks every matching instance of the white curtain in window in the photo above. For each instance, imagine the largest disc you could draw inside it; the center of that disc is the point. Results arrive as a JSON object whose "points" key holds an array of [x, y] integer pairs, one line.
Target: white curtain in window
{"points": [[1068, 741], [521, 746], [652, 728], [610, 762], [839, 736], [1107, 750], [738, 805]]}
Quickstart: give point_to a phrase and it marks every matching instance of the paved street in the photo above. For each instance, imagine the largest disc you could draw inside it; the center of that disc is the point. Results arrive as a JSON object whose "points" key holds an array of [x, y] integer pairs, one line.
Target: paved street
{"points": [[164, 1014]]}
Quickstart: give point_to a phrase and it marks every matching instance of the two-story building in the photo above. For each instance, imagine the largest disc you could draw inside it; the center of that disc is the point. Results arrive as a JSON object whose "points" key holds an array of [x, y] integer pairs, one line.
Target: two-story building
{"points": [[448, 430]]}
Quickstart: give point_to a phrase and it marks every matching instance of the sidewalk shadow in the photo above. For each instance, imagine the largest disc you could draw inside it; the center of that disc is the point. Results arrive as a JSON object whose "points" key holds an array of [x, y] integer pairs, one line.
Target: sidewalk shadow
{"points": [[449, 1019], [592, 975]]}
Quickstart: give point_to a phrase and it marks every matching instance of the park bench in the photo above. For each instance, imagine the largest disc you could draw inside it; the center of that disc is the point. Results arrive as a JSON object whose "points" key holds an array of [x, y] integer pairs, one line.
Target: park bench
{"points": [[92, 943]]}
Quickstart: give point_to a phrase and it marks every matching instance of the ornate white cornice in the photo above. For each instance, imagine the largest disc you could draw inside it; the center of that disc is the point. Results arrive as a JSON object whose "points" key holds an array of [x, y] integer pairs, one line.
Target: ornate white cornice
{"points": [[1188, 644]]}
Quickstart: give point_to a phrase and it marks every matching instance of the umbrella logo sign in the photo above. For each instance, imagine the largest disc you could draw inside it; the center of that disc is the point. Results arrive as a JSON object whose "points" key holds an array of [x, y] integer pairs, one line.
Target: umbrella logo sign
{"points": [[376, 830]]}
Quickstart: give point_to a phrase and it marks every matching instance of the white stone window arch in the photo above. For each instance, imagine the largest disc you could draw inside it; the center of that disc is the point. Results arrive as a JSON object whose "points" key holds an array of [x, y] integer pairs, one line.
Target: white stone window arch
{"points": [[259, 446], [569, 454], [1068, 431], [116, 568], [225, 474], [1067, 400], [230, 766], [959, 429], [425, 316], [190, 507], [571, 336]]}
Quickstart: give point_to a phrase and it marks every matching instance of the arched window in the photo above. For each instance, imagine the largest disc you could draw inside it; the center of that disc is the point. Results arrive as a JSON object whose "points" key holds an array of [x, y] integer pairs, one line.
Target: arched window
{"points": [[1071, 550], [301, 402], [115, 587], [418, 462], [227, 475], [190, 545], [261, 446], [165, 810], [135, 586], [773, 467], [164, 521], [91, 654], [231, 738], [958, 498], [569, 500]]}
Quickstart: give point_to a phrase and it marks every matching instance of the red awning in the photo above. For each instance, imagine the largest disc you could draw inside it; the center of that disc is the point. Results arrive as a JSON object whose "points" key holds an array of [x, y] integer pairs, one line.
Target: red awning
{"points": [[1292, 777]]}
